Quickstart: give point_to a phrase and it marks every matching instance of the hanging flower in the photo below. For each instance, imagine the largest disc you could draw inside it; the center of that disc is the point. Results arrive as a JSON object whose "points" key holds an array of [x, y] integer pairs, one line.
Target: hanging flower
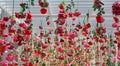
{"points": [[116, 8], [116, 19], [27, 32], [61, 6], [43, 11], [29, 15], [5, 19], [100, 19], [5, 63], [115, 25], [77, 13], [24, 25], [60, 50], [3, 48], [10, 57], [27, 37], [117, 33], [61, 57], [60, 30], [86, 45], [72, 35]]}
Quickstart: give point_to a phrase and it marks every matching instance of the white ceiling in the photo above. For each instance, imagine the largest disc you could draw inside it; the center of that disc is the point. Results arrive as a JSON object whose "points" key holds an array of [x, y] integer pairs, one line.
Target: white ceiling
{"points": [[82, 5]]}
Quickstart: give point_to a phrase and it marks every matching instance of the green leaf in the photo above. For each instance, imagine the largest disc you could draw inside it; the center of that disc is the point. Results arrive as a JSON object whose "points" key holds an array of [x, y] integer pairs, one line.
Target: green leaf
{"points": [[110, 63], [103, 12], [47, 18], [80, 51], [51, 50], [87, 16], [46, 4], [63, 3], [72, 3], [31, 2], [31, 25], [65, 62], [46, 35], [43, 64], [73, 65], [102, 3], [95, 7]]}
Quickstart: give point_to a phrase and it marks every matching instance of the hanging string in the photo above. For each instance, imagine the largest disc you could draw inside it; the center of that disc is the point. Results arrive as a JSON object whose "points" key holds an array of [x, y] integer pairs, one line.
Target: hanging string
{"points": [[1, 13], [28, 6], [13, 8]]}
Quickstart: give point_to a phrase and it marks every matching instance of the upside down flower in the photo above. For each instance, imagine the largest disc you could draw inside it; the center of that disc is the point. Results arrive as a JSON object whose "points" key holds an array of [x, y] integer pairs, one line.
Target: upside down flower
{"points": [[116, 8], [86, 45], [60, 50], [72, 35], [5, 63], [24, 25], [10, 57], [3, 48]]}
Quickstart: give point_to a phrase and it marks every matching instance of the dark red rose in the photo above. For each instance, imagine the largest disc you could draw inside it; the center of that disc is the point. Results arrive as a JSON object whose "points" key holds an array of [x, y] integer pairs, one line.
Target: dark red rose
{"points": [[116, 19], [116, 8], [6, 19]]}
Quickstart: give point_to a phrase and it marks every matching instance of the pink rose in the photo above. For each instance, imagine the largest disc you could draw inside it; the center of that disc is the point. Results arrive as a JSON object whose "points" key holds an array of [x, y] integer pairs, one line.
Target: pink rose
{"points": [[86, 45], [72, 35], [27, 37], [5, 63], [114, 59]]}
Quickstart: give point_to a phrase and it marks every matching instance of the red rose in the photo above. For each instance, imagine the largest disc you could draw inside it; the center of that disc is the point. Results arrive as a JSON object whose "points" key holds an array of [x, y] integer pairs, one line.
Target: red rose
{"points": [[3, 48], [117, 33], [48, 23], [24, 25], [70, 14], [60, 30], [4, 35], [87, 25], [100, 19], [116, 19], [61, 57], [61, 21], [43, 10], [61, 6], [12, 21], [6, 19], [77, 13], [62, 15], [41, 4], [11, 30], [3, 25], [116, 8], [29, 15], [90, 43], [27, 32], [115, 25], [72, 35], [60, 50]]}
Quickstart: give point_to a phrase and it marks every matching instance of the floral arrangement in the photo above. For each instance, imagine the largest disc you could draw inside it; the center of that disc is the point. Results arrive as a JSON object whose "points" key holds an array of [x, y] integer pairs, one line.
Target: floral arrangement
{"points": [[77, 46]]}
